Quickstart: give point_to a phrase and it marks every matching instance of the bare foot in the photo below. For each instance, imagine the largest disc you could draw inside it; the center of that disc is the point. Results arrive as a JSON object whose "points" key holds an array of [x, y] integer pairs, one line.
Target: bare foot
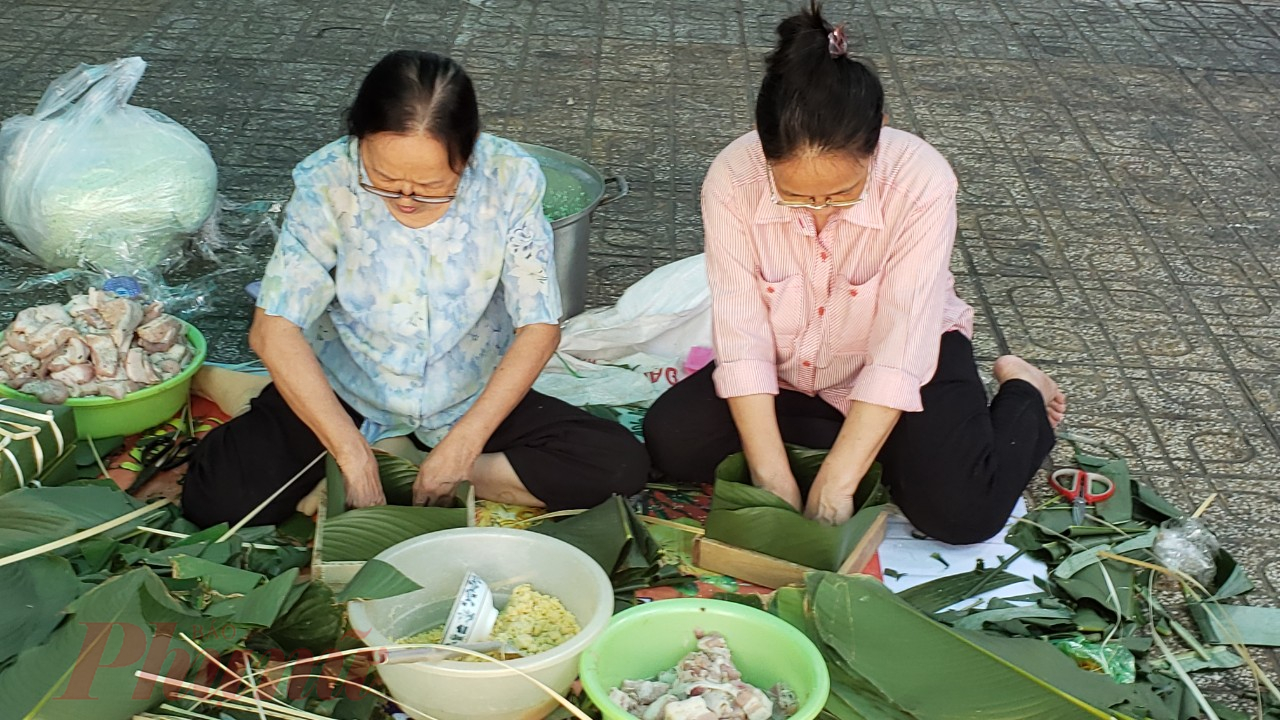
{"points": [[1012, 367]]}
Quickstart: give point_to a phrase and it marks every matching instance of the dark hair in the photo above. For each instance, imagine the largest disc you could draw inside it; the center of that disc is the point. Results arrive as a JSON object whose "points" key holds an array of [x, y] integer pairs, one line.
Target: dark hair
{"points": [[814, 97], [409, 91]]}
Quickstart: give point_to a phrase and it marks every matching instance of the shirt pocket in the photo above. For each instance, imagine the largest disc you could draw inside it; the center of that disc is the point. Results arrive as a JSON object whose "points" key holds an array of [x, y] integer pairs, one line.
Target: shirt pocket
{"points": [[785, 300], [851, 313]]}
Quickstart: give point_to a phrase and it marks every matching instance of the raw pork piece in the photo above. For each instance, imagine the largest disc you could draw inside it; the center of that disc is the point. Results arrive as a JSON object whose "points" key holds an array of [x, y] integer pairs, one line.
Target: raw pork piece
{"points": [[49, 392], [704, 685], [74, 353], [160, 334], [123, 317], [97, 344], [74, 375], [106, 355], [139, 369]]}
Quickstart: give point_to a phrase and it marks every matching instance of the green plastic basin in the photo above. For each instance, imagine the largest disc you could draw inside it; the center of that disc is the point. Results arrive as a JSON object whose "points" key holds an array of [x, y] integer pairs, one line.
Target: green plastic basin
{"points": [[143, 409], [643, 641]]}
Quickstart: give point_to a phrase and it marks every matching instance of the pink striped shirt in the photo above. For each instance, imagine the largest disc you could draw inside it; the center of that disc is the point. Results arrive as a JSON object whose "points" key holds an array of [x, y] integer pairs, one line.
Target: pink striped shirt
{"points": [[852, 313]]}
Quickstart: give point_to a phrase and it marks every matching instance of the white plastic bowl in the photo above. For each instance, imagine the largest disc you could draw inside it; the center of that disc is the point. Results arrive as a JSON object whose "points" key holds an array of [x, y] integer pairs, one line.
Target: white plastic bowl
{"points": [[452, 690]]}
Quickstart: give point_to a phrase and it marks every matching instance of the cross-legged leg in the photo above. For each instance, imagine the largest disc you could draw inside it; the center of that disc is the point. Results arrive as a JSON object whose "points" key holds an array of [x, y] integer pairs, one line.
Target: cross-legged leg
{"points": [[689, 430], [956, 468], [241, 463], [559, 456]]}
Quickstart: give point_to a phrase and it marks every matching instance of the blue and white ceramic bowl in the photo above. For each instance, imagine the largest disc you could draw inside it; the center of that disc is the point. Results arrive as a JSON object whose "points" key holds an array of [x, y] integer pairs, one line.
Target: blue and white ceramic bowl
{"points": [[473, 615]]}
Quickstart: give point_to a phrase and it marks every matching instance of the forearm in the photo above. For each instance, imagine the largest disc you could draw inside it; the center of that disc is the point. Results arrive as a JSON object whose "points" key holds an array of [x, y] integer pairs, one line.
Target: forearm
{"points": [[297, 374], [757, 421], [510, 382], [864, 432]]}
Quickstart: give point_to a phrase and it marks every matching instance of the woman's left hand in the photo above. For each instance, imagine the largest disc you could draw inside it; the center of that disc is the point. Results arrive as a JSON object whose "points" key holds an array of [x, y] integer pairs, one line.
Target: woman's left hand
{"points": [[830, 498], [448, 464]]}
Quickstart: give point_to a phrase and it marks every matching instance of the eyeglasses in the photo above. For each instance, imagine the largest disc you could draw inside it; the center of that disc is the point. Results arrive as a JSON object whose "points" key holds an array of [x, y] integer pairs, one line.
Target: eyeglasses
{"points": [[432, 200], [773, 189], [392, 195]]}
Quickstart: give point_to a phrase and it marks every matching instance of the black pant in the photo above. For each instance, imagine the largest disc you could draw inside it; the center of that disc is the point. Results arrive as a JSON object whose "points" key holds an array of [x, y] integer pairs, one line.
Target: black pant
{"points": [[955, 469], [565, 457]]}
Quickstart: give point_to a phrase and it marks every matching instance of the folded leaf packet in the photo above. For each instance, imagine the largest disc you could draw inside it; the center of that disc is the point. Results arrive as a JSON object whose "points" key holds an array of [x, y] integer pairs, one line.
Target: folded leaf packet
{"points": [[37, 444]]}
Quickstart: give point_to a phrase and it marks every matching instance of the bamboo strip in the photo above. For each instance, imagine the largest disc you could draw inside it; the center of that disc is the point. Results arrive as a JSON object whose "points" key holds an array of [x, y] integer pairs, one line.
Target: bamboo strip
{"points": [[83, 534]]}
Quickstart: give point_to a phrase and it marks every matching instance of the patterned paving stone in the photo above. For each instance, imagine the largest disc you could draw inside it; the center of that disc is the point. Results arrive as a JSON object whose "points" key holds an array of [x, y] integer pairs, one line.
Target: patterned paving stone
{"points": [[1118, 164]]}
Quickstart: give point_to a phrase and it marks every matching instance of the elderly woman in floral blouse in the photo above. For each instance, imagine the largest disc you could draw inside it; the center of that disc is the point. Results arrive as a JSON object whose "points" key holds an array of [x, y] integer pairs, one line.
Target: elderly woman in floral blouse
{"points": [[412, 292]]}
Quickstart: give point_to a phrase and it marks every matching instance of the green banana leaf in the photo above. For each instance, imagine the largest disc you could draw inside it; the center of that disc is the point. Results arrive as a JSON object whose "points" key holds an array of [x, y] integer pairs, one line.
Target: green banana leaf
{"points": [[1108, 584], [932, 671], [222, 579], [852, 696], [604, 532], [362, 533], [619, 542], [398, 476], [943, 592], [1244, 624], [314, 621], [86, 505], [33, 516], [377, 580], [748, 517], [31, 588], [264, 604], [94, 655], [1229, 578], [31, 525]]}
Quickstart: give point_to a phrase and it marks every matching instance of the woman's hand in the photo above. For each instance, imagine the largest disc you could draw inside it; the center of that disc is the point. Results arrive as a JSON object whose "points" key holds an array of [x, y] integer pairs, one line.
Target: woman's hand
{"points": [[360, 473], [780, 482], [448, 464], [864, 432], [831, 497], [301, 381]]}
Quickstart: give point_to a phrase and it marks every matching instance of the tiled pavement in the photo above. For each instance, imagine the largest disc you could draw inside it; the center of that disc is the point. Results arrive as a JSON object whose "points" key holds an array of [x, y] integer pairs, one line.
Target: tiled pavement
{"points": [[1119, 220]]}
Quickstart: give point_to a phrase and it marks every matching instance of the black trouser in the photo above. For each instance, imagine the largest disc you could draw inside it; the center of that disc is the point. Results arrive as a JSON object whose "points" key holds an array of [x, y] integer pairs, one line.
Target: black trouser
{"points": [[565, 457], [956, 468]]}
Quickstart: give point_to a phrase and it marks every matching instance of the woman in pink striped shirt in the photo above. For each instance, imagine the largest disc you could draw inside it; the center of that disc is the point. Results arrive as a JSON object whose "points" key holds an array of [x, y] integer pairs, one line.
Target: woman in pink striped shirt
{"points": [[835, 318]]}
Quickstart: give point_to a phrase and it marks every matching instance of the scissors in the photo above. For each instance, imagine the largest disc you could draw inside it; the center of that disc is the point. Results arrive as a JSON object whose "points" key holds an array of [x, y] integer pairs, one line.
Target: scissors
{"points": [[1080, 488], [161, 452]]}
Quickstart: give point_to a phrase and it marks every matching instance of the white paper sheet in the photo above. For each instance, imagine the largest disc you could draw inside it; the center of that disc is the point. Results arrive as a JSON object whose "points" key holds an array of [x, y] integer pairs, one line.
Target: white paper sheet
{"points": [[913, 558]]}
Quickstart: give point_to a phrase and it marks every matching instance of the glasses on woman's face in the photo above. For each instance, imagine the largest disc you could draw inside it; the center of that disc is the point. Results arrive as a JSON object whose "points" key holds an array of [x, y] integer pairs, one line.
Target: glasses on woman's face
{"points": [[393, 195], [800, 204]]}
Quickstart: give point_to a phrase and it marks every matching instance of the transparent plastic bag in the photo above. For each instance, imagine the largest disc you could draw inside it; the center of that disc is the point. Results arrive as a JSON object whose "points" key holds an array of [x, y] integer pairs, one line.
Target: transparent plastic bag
{"points": [[88, 180], [1187, 545]]}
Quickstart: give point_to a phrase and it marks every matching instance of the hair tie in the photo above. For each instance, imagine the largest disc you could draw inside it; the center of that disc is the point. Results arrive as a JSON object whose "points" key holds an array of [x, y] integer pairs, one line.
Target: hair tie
{"points": [[837, 43]]}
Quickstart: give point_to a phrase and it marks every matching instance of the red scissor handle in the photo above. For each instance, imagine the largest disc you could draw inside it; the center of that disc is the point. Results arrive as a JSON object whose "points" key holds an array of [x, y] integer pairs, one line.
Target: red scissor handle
{"points": [[1082, 484]]}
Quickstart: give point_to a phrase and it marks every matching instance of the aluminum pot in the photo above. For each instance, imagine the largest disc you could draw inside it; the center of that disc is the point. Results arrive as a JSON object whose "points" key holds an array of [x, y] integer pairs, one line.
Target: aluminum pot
{"points": [[572, 234]]}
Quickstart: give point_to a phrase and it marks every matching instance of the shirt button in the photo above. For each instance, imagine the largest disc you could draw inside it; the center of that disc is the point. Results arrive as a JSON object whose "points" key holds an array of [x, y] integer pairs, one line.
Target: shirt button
{"points": [[806, 363], [853, 293], [822, 311], [824, 256], [769, 289]]}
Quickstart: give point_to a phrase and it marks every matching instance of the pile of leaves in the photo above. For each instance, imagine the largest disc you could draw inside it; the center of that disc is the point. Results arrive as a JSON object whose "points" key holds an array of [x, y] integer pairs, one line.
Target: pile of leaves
{"points": [[82, 619], [85, 616], [1096, 641], [159, 595]]}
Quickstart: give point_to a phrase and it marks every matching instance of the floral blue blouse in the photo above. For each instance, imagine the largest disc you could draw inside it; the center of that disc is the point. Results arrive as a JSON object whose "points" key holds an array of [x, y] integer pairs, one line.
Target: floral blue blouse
{"points": [[409, 324]]}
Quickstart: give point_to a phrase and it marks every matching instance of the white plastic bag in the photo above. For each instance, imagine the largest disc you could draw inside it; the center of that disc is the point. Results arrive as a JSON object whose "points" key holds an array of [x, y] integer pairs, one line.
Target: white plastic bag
{"points": [[629, 353], [664, 314], [90, 180]]}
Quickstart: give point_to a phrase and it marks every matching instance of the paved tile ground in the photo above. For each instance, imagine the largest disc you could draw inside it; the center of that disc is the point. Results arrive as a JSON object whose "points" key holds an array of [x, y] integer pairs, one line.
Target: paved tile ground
{"points": [[1118, 159]]}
